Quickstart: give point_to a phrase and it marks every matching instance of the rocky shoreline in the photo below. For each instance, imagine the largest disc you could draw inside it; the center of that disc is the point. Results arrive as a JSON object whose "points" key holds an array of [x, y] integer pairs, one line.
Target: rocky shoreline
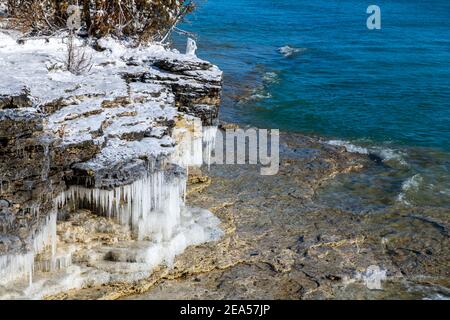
{"points": [[93, 177], [281, 242]]}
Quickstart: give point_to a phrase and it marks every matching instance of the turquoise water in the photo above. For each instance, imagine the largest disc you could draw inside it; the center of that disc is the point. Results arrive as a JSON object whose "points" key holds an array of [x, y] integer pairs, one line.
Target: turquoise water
{"points": [[343, 80], [386, 90]]}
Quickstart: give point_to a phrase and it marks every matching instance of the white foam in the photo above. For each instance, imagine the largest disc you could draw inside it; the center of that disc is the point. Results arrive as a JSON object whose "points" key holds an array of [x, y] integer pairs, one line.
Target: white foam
{"points": [[386, 154], [260, 95], [410, 185], [350, 147], [288, 51], [271, 77]]}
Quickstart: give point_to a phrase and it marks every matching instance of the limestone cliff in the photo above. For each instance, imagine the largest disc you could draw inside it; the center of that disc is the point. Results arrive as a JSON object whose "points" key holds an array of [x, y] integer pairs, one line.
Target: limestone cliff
{"points": [[110, 140]]}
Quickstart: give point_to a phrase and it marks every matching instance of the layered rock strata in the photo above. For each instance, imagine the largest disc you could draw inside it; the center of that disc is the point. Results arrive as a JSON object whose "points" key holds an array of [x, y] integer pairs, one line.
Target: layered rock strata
{"points": [[113, 139]]}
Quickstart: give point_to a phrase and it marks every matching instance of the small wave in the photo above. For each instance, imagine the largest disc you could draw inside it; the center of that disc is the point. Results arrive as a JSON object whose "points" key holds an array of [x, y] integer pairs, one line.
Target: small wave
{"points": [[390, 155], [270, 77], [257, 96], [288, 51], [350, 147], [410, 185], [386, 154]]}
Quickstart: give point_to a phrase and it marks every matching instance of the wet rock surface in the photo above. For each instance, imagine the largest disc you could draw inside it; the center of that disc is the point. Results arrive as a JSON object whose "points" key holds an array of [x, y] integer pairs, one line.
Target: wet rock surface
{"points": [[283, 242]]}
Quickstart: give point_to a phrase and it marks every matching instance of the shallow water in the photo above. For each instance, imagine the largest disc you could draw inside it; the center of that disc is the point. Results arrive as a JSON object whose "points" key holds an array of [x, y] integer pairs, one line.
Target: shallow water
{"points": [[402, 177]]}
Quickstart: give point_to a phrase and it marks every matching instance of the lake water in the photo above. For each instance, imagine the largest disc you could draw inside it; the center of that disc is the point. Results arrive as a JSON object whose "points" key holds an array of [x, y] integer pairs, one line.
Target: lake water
{"points": [[314, 67]]}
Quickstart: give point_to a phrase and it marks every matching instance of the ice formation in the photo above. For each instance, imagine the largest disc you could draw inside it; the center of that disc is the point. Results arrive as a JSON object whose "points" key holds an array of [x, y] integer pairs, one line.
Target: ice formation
{"points": [[14, 266], [196, 226], [190, 143], [123, 110], [153, 205], [191, 47], [150, 206]]}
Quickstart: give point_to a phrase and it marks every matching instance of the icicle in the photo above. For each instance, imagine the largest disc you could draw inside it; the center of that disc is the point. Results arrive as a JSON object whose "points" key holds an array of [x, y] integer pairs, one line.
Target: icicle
{"points": [[55, 263], [46, 237], [15, 266], [150, 206], [35, 211], [197, 226]]}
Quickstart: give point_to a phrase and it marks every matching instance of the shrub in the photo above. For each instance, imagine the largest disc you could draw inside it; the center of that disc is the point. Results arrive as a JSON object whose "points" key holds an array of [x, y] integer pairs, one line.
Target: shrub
{"points": [[141, 20], [77, 60]]}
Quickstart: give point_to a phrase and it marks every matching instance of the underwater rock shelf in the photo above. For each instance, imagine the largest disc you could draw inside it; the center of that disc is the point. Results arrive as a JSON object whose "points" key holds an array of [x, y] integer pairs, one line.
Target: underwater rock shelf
{"points": [[114, 140]]}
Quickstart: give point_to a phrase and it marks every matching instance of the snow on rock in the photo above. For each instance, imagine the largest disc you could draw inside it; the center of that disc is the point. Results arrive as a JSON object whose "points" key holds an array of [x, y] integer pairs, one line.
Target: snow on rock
{"points": [[110, 139]]}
